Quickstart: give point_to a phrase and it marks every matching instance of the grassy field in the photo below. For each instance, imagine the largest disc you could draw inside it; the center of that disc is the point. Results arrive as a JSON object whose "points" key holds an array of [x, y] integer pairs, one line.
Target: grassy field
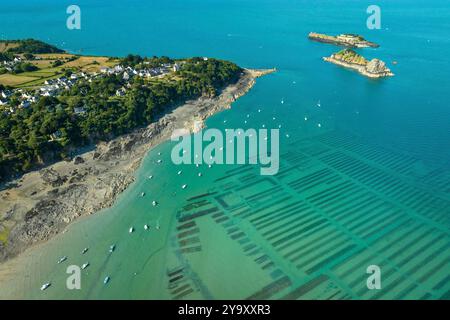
{"points": [[14, 80], [6, 45], [47, 70]]}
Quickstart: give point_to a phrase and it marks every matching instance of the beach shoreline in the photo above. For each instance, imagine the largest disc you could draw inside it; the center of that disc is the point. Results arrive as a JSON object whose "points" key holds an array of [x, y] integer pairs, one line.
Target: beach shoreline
{"points": [[42, 203]]}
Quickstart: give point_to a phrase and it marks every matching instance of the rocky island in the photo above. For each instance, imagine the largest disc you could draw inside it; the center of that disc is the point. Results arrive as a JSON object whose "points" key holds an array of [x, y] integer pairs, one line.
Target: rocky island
{"points": [[348, 58], [346, 40]]}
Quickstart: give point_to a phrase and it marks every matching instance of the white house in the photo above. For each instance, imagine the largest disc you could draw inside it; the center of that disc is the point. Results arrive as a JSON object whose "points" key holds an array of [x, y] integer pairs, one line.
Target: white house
{"points": [[79, 110], [121, 92], [25, 104]]}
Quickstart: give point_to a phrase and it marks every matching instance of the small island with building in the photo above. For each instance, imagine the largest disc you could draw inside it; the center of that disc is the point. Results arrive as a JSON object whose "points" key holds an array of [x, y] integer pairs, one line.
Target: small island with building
{"points": [[348, 58], [346, 40]]}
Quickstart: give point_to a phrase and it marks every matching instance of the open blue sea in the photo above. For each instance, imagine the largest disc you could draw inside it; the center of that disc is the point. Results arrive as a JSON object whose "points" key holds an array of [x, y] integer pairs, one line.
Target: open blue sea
{"points": [[365, 180]]}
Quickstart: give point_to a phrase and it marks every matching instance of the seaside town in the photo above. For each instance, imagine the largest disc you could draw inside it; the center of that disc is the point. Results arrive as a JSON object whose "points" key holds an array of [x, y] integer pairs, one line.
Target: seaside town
{"points": [[12, 99]]}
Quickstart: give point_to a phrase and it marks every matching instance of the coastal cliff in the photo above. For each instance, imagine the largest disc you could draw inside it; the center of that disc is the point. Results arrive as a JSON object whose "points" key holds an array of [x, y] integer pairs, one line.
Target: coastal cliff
{"points": [[346, 40], [348, 58]]}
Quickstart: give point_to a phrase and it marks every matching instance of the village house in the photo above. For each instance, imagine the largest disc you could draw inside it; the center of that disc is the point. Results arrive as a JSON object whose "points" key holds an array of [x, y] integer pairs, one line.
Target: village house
{"points": [[79, 110], [25, 104], [121, 92]]}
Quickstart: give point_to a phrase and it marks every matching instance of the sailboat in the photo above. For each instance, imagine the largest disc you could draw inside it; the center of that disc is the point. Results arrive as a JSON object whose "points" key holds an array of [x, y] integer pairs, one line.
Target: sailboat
{"points": [[62, 260], [45, 286]]}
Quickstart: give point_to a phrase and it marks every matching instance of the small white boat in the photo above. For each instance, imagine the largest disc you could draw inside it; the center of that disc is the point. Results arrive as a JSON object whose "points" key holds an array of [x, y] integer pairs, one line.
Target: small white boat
{"points": [[143, 194], [319, 104], [209, 166], [154, 203], [84, 250], [106, 280], [259, 110], [180, 172], [45, 286], [150, 177], [287, 135], [282, 101], [146, 227], [159, 153], [184, 186], [199, 174], [131, 230], [306, 118], [112, 248], [159, 161], [319, 125], [62, 259], [84, 266]]}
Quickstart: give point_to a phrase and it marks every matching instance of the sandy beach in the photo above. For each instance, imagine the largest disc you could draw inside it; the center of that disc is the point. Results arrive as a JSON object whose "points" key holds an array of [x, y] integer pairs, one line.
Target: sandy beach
{"points": [[43, 203]]}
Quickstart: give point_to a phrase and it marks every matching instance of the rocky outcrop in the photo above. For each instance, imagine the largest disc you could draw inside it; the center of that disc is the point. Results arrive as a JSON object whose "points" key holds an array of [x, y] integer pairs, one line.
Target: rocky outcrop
{"points": [[78, 160], [53, 178], [350, 59], [377, 66]]}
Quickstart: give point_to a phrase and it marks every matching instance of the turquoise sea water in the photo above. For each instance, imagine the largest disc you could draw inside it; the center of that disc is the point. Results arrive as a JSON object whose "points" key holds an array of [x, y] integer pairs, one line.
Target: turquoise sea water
{"points": [[370, 186]]}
